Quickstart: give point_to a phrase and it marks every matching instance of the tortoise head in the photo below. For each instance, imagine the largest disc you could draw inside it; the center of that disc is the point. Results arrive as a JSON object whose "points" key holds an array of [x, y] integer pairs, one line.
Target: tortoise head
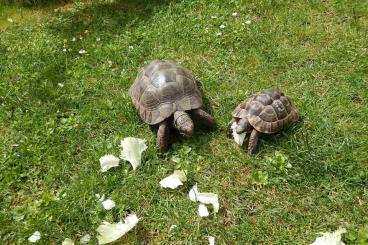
{"points": [[183, 123]]}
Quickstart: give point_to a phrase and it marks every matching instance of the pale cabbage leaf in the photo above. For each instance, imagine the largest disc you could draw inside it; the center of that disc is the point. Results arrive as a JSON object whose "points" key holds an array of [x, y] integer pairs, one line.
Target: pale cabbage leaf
{"points": [[111, 232], [132, 149]]}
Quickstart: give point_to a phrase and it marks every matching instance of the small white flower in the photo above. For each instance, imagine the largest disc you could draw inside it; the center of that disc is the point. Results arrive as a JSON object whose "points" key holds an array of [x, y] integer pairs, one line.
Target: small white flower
{"points": [[60, 85], [213, 17], [218, 34], [80, 37], [108, 204], [10, 20], [111, 232], [234, 14], [98, 39], [74, 39], [131, 47], [109, 62], [222, 26], [202, 210], [35, 237], [211, 240], [108, 161], [248, 22], [82, 51], [85, 239], [68, 241], [64, 50]]}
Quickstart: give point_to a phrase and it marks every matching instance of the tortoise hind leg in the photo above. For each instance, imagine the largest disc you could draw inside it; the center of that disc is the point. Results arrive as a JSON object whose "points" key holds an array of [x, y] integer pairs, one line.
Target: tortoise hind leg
{"points": [[204, 118], [253, 141], [162, 141]]}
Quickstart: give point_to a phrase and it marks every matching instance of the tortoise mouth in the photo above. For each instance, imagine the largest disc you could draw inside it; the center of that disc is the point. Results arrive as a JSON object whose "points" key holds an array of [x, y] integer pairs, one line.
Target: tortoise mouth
{"points": [[187, 130]]}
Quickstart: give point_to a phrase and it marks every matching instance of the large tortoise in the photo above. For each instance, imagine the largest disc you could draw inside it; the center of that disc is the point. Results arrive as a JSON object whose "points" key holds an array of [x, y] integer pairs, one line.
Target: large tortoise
{"points": [[268, 111], [165, 92]]}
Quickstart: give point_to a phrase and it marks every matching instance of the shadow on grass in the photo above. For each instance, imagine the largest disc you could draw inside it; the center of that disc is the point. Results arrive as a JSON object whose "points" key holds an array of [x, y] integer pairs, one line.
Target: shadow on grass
{"points": [[106, 17]]}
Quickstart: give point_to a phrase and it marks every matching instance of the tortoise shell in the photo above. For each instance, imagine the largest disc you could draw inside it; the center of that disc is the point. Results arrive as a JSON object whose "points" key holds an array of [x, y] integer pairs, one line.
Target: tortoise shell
{"points": [[163, 87], [268, 111]]}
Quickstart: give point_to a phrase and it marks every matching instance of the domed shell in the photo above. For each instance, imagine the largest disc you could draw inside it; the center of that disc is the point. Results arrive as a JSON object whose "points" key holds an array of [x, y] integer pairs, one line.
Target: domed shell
{"points": [[163, 87], [268, 111]]}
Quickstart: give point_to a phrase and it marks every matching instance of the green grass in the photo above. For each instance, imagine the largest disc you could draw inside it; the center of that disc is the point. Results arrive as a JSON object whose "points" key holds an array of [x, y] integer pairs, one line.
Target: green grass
{"points": [[314, 51]]}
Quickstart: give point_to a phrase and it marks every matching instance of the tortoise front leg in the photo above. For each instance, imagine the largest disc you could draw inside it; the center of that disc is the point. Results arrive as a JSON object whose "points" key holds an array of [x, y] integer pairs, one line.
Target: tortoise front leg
{"points": [[162, 141], [253, 141], [204, 118]]}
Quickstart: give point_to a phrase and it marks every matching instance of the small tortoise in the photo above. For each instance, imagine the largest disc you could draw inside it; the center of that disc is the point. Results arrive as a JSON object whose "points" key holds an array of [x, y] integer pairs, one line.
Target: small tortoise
{"points": [[268, 111], [165, 92]]}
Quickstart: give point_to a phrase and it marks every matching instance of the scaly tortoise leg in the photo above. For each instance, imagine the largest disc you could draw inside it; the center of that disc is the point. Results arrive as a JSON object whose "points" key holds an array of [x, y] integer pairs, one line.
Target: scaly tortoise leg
{"points": [[204, 118], [253, 141], [163, 133]]}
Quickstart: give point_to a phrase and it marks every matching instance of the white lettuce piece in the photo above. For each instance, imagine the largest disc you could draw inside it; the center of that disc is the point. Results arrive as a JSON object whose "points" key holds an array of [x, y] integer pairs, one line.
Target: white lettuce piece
{"points": [[108, 161], [211, 240], [111, 232], [99, 197], [172, 227], [68, 241], [205, 198], [108, 204], [203, 211], [132, 149], [35, 237], [330, 238], [238, 138], [174, 180], [85, 239]]}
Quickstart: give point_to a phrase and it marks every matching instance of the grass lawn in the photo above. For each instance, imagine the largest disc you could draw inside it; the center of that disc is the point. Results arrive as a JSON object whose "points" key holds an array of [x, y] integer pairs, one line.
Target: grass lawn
{"points": [[65, 110]]}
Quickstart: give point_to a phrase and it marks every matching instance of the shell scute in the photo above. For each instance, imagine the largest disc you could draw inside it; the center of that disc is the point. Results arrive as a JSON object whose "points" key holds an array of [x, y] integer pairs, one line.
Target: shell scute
{"points": [[268, 111], [162, 87]]}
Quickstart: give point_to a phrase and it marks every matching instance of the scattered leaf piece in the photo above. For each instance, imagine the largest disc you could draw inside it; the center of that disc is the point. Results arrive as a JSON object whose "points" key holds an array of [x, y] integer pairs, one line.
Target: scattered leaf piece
{"points": [[111, 232], [203, 211], [108, 204], [108, 161], [234, 14], [10, 20], [172, 227], [174, 180], [82, 51], [68, 241], [35, 237], [86, 238], [248, 22], [330, 238], [211, 240], [238, 138], [205, 198], [99, 197], [132, 149]]}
